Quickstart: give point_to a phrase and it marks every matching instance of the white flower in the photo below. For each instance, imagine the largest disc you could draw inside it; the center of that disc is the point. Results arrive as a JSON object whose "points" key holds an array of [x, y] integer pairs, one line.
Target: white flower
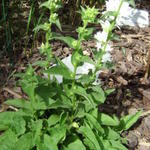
{"points": [[101, 36], [106, 57], [105, 25], [98, 45], [108, 48]]}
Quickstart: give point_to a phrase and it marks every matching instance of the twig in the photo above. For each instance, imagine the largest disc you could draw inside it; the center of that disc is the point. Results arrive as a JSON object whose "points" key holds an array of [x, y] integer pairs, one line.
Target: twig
{"points": [[16, 95], [13, 108], [145, 113]]}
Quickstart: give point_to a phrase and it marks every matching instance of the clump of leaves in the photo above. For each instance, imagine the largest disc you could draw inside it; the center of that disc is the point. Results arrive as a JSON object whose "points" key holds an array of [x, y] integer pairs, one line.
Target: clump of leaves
{"points": [[63, 115]]}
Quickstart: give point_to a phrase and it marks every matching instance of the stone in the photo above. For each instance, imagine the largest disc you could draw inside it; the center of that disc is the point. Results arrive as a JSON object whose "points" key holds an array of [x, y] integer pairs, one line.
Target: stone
{"points": [[136, 18]]}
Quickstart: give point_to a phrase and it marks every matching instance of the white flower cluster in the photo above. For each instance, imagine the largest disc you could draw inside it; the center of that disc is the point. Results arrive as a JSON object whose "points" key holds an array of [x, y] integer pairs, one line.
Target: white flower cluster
{"points": [[101, 38]]}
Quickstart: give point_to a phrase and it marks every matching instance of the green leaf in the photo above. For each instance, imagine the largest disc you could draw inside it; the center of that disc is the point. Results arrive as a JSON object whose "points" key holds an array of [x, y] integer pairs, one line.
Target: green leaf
{"points": [[75, 58], [45, 27], [40, 63], [57, 22], [118, 145], [109, 91], [80, 111], [58, 133], [20, 103], [98, 94], [29, 88], [131, 2], [13, 121], [76, 145], [53, 119], [108, 146], [63, 118], [45, 4], [127, 121], [105, 119], [81, 91], [59, 104], [7, 140], [111, 134], [86, 79], [25, 142], [95, 123], [47, 144], [46, 92], [89, 144], [66, 39], [5, 120], [87, 59], [60, 69], [36, 129], [18, 125], [88, 133]]}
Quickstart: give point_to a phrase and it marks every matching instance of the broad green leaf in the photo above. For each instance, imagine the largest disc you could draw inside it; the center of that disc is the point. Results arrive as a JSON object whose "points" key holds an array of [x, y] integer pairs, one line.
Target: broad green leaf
{"points": [[45, 27], [111, 134], [46, 92], [75, 58], [59, 104], [85, 79], [58, 133], [53, 119], [20, 103], [98, 94], [7, 140], [80, 111], [25, 142], [131, 2], [66, 39], [109, 91], [89, 144], [13, 121], [118, 145], [85, 34], [87, 59], [129, 120], [105, 119], [36, 129], [57, 22], [47, 144], [89, 134], [76, 145], [29, 88], [18, 125], [40, 63], [45, 4], [63, 118], [95, 123], [108, 146], [6, 119], [60, 69], [81, 91]]}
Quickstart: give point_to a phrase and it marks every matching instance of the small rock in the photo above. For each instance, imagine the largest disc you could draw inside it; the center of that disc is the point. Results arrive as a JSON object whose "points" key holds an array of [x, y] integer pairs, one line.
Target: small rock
{"points": [[132, 140], [132, 111], [146, 122], [66, 50], [121, 80]]}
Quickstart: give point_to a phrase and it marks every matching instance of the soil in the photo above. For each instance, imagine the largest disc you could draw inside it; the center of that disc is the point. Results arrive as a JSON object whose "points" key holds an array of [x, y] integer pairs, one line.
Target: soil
{"points": [[129, 77]]}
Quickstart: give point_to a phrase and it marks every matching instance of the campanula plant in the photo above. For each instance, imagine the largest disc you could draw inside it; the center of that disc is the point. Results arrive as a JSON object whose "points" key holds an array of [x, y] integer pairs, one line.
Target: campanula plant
{"points": [[64, 115]]}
